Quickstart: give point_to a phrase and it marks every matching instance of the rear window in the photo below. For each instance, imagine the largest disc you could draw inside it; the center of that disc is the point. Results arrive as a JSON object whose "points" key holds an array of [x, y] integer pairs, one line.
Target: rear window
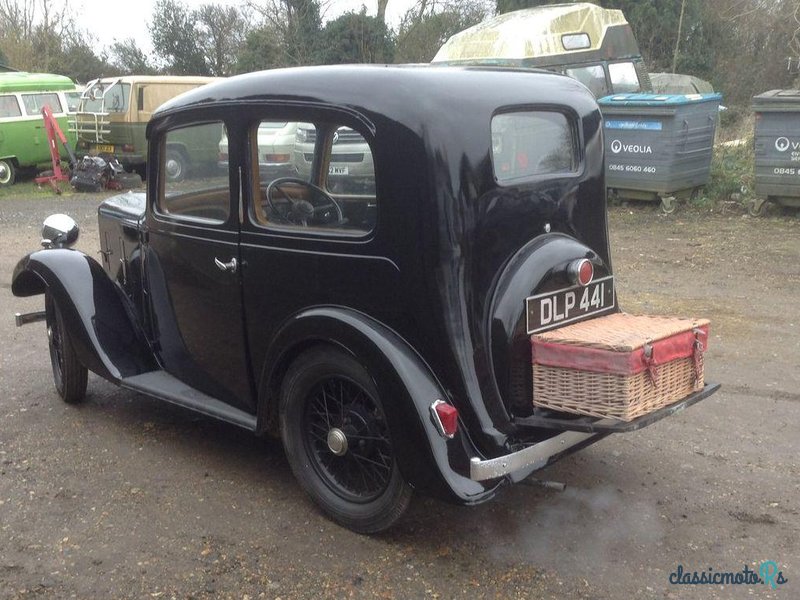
{"points": [[527, 144]]}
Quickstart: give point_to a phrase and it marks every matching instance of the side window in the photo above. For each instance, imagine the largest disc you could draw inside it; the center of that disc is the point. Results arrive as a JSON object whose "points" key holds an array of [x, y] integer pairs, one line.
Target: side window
{"points": [[195, 185], [34, 103], [526, 144], [9, 107], [593, 77], [623, 78], [316, 177], [73, 101]]}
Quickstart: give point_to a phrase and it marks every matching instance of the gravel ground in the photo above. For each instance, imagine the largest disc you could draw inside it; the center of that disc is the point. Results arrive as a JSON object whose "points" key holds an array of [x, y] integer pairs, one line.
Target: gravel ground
{"points": [[126, 497]]}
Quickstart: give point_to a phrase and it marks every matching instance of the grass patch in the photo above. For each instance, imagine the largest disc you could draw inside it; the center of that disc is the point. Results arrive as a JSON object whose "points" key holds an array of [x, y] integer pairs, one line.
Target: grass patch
{"points": [[732, 167], [29, 189]]}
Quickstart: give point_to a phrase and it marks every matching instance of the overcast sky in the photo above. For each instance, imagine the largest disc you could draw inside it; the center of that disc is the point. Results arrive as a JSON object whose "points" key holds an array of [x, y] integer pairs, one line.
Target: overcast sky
{"points": [[120, 20]]}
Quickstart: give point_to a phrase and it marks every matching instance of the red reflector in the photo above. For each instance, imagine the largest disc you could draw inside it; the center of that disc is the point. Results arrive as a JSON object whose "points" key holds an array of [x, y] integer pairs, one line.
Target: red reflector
{"points": [[581, 271], [446, 418], [128, 148], [586, 273]]}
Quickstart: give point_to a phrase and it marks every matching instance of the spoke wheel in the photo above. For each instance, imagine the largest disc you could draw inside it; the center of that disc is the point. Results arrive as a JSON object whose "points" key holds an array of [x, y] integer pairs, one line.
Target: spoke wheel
{"points": [[337, 441], [69, 375]]}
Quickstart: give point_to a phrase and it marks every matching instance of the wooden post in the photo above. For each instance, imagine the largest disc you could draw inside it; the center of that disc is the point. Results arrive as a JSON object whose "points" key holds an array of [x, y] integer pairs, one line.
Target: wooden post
{"points": [[678, 39]]}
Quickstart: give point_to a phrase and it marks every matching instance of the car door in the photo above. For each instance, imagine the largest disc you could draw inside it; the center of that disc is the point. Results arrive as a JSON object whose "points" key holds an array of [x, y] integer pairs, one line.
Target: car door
{"points": [[193, 266], [310, 239]]}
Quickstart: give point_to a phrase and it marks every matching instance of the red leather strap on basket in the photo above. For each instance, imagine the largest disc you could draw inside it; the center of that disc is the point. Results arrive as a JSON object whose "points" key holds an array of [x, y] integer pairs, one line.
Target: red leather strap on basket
{"points": [[599, 360], [700, 334]]}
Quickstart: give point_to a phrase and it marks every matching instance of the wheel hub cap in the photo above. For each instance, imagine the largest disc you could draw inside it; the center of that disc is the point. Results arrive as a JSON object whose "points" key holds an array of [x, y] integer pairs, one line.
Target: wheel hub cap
{"points": [[173, 168], [337, 441], [3, 171]]}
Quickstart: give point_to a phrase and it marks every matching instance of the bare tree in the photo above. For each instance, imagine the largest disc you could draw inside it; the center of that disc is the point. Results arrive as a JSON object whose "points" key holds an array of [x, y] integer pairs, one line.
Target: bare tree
{"points": [[32, 32], [382, 10], [297, 25], [429, 23], [222, 32], [130, 58]]}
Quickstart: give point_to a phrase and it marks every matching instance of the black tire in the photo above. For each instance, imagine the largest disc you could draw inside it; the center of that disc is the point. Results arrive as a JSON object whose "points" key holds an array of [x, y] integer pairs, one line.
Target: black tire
{"points": [[326, 396], [176, 165], [8, 172], [128, 181], [69, 375]]}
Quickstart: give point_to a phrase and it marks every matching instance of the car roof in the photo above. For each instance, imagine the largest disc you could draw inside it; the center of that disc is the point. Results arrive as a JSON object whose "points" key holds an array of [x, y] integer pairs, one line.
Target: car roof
{"points": [[408, 94], [152, 79], [20, 81]]}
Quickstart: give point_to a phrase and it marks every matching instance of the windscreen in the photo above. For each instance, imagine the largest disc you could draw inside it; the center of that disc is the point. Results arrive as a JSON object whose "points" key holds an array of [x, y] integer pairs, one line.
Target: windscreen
{"points": [[103, 98]]}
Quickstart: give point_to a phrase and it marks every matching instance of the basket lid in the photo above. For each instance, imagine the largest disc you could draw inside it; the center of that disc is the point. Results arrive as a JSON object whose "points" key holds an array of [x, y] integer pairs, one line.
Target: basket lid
{"points": [[620, 332]]}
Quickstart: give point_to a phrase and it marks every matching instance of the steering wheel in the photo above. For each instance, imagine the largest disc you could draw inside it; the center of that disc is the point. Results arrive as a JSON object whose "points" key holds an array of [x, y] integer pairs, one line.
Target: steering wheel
{"points": [[316, 208]]}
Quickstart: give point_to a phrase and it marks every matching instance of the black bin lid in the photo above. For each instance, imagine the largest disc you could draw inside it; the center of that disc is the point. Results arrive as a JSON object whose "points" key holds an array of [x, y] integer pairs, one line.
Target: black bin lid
{"points": [[777, 101]]}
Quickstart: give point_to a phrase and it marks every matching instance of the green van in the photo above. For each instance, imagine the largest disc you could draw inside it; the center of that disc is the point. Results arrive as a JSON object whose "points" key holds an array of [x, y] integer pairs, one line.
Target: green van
{"points": [[114, 112], [23, 141]]}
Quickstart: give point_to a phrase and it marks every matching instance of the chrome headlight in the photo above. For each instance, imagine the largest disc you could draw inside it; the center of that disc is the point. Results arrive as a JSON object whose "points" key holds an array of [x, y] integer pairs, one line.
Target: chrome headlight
{"points": [[59, 231]]}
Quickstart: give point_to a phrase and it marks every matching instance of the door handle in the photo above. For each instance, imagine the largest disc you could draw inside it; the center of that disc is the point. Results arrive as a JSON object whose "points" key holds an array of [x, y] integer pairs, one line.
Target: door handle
{"points": [[230, 267]]}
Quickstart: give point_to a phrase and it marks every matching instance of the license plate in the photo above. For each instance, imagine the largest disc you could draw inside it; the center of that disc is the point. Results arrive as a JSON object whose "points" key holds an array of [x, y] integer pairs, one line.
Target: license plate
{"points": [[337, 170], [104, 149], [569, 304]]}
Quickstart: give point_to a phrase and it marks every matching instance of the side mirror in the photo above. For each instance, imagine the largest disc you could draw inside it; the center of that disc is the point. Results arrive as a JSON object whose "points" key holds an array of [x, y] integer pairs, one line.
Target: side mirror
{"points": [[59, 231]]}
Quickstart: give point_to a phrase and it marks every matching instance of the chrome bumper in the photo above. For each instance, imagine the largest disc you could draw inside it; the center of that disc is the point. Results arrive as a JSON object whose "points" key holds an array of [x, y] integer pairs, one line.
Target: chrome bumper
{"points": [[578, 431], [530, 459]]}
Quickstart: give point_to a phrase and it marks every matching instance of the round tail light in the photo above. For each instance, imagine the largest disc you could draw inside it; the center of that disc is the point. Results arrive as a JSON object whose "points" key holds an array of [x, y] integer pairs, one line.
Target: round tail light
{"points": [[581, 271]]}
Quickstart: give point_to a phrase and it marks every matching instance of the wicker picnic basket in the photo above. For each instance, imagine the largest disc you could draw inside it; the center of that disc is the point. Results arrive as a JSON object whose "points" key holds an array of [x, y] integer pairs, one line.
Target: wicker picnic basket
{"points": [[621, 366]]}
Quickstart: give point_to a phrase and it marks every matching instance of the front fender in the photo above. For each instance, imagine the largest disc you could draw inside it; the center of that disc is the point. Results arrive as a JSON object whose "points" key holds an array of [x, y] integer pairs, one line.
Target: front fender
{"points": [[429, 462], [105, 335]]}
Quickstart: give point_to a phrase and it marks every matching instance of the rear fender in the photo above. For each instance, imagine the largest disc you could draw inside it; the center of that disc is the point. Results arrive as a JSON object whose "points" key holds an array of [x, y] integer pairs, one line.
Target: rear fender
{"points": [[98, 317], [429, 462]]}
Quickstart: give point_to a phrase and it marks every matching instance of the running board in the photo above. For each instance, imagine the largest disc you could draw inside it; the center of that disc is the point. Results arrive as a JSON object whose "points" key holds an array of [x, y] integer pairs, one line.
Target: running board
{"points": [[162, 385]]}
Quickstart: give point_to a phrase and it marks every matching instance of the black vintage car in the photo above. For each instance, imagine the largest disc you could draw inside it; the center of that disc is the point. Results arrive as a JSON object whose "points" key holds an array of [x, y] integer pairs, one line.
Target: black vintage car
{"points": [[383, 333]]}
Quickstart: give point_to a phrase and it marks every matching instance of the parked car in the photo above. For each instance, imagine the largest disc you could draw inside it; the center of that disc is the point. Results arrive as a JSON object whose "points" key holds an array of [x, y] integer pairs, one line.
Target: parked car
{"points": [[386, 337], [276, 140], [23, 141], [113, 115], [350, 169]]}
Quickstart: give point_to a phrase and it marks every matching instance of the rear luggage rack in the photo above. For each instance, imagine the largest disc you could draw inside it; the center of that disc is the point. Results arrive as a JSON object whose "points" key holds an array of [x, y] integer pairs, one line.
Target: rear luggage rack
{"points": [[609, 425]]}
